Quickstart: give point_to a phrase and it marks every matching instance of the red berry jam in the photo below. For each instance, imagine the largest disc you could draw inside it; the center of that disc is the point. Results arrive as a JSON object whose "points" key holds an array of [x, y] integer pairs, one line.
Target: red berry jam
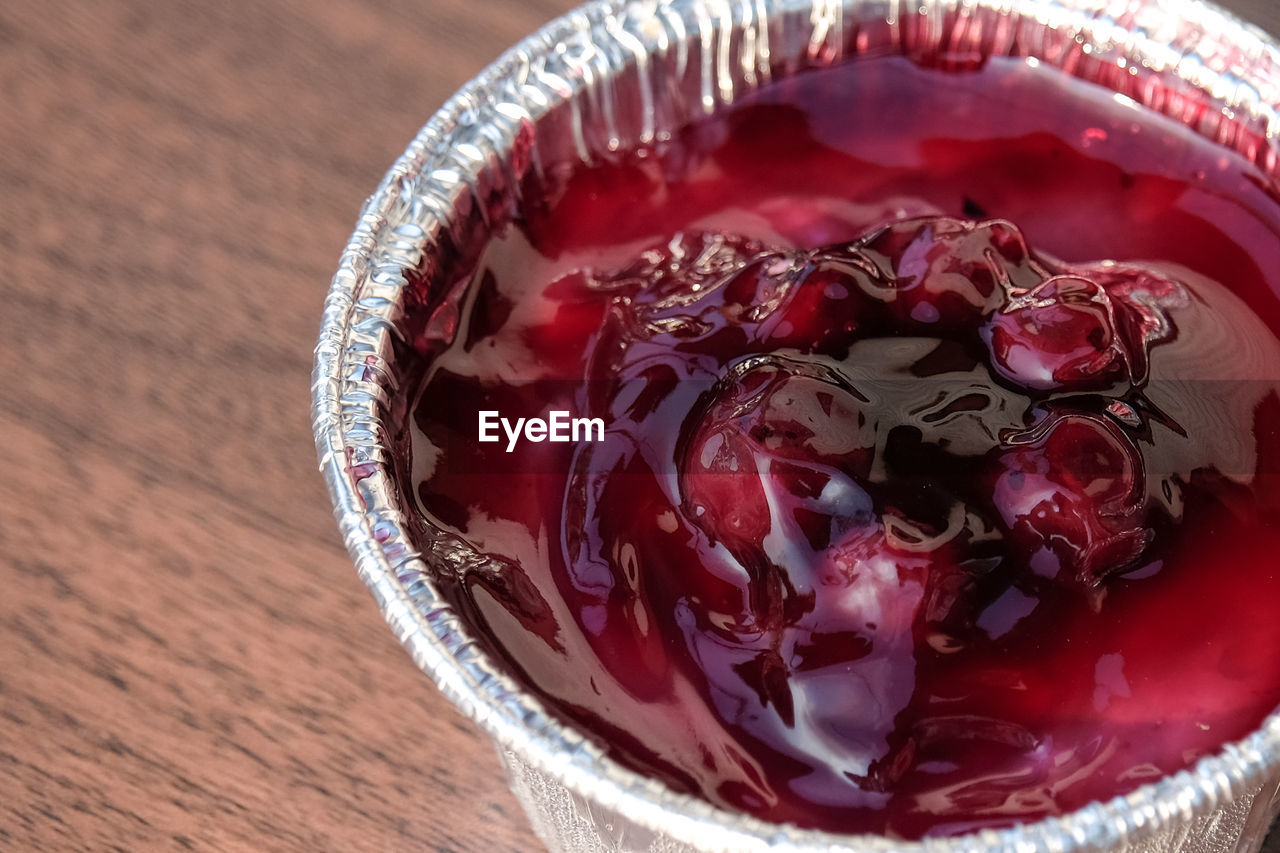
{"points": [[938, 481]]}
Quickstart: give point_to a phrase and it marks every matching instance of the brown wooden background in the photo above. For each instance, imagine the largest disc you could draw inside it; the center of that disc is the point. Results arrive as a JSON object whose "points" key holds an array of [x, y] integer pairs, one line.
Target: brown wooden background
{"points": [[187, 659]]}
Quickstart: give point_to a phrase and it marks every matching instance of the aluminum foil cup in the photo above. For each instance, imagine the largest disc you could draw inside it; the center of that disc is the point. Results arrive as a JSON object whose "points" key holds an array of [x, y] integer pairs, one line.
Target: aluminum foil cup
{"points": [[612, 75]]}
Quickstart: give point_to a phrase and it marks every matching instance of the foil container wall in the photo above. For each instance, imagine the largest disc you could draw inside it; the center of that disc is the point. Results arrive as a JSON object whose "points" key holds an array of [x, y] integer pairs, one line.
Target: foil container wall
{"points": [[615, 75]]}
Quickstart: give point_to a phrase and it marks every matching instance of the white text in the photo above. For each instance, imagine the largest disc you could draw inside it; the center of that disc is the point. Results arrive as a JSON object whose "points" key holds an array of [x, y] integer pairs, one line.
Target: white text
{"points": [[558, 427]]}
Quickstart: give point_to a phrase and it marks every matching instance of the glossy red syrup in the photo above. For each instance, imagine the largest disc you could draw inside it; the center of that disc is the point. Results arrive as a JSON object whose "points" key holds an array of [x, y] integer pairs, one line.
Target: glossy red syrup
{"points": [[938, 489]]}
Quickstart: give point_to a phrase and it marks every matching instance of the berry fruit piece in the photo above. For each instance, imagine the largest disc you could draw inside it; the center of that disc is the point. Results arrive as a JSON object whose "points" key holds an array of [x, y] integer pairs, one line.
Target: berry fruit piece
{"points": [[943, 273], [1060, 336], [1072, 493], [781, 446]]}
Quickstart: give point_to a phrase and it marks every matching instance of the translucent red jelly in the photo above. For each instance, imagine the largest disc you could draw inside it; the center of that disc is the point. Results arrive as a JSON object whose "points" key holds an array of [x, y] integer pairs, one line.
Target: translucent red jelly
{"points": [[939, 485]]}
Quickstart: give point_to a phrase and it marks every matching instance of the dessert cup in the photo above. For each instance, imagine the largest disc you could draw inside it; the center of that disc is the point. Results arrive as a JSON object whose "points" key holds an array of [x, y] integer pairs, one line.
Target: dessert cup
{"points": [[612, 76]]}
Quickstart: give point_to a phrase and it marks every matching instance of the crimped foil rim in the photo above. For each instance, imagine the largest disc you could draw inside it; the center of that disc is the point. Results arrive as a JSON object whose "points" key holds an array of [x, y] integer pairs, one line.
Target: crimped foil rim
{"points": [[350, 381]]}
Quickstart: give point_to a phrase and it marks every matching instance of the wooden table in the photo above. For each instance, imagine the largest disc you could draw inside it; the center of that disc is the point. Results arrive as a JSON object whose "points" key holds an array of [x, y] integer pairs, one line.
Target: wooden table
{"points": [[187, 659]]}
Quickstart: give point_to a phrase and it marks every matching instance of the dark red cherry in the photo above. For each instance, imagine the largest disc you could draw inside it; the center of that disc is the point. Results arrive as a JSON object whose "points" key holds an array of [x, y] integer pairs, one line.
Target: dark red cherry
{"points": [[779, 447], [807, 302], [1073, 496], [722, 488], [944, 273], [826, 308], [1143, 301], [756, 292], [1060, 336]]}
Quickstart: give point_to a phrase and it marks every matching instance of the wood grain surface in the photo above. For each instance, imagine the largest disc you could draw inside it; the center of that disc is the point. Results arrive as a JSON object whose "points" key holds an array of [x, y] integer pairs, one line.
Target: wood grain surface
{"points": [[187, 659]]}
